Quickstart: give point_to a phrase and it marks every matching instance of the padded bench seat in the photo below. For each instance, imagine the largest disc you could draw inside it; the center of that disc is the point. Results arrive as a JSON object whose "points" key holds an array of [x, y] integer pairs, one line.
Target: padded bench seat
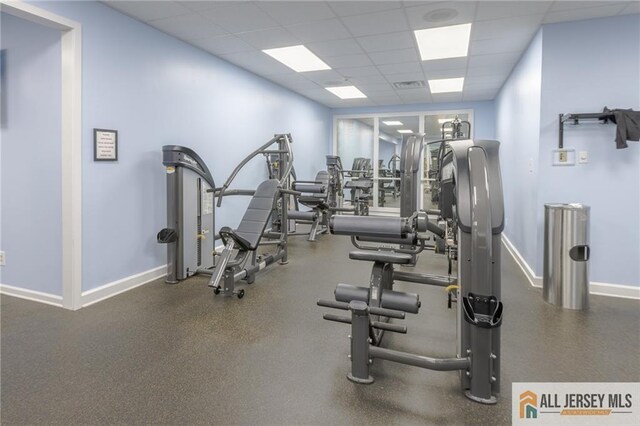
{"points": [[381, 256]]}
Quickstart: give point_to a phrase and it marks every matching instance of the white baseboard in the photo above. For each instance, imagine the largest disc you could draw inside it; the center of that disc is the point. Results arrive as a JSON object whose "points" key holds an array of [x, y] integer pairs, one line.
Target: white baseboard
{"points": [[528, 272], [116, 287], [36, 296], [601, 289]]}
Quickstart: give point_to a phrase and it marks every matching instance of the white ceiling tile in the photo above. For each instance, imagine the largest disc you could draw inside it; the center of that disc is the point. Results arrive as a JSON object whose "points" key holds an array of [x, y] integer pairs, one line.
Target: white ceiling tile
{"points": [[393, 56], [395, 78], [632, 8], [488, 10], [445, 73], [240, 17], [296, 12], [581, 14], [415, 95], [367, 79], [400, 68], [572, 4], [347, 8], [493, 69], [387, 100], [199, 6], [330, 29], [348, 61], [222, 45], [376, 23], [325, 78], [432, 15], [499, 45], [444, 64], [391, 41], [359, 71], [446, 97], [506, 28], [145, 11], [188, 27], [269, 38], [258, 62], [495, 59], [375, 87], [335, 47], [294, 81]]}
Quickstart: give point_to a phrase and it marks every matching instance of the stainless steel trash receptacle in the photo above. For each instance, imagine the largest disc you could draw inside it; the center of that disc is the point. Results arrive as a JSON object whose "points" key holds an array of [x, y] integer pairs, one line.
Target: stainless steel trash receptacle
{"points": [[565, 280]]}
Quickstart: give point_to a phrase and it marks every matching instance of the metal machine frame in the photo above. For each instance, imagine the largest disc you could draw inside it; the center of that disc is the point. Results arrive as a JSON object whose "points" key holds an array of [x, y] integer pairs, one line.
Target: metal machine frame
{"points": [[236, 262], [473, 224], [190, 239]]}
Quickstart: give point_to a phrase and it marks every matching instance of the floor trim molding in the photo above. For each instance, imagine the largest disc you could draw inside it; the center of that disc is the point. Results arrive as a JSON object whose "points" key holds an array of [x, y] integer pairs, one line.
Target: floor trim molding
{"points": [[120, 286], [35, 296], [601, 289]]}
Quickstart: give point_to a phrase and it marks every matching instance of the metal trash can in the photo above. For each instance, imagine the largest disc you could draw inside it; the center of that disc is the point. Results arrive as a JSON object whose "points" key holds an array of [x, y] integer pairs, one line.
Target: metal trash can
{"points": [[565, 280]]}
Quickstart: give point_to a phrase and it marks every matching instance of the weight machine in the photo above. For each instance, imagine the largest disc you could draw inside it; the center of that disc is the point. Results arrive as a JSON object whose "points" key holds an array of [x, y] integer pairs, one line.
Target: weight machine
{"points": [[470, 222]]}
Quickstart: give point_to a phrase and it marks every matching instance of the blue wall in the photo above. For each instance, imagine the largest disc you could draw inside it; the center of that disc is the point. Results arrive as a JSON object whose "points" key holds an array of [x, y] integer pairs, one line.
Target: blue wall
{"points": [[587, 65], [30, 152], [483, 113], [518, 130], [574, 67], [157, 90]]}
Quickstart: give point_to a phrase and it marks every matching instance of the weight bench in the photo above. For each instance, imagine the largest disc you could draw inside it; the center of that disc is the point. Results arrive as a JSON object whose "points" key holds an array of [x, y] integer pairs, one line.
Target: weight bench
{"points": [[314, 194], [244, 240]]}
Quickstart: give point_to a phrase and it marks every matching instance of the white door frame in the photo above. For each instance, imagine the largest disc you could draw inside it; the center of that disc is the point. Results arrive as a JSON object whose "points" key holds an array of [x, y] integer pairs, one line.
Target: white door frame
{"points": [[71, 49]]}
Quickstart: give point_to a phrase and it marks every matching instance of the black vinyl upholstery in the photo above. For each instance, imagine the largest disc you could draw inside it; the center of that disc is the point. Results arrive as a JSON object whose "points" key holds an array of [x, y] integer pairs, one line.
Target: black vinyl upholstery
{"points": [[255, 219]]}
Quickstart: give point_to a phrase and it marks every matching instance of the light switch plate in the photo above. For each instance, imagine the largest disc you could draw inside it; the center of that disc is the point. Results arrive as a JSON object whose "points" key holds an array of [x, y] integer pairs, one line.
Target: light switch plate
{"points": [[583, 157]]}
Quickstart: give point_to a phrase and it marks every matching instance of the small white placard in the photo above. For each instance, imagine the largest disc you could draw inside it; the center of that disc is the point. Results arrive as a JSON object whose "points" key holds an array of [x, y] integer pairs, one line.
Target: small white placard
{"points": [[105, 145]]}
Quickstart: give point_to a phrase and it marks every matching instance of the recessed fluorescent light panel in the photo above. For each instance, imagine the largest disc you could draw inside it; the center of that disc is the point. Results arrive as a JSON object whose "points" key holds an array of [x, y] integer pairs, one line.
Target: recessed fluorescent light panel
{"points": [[346, 92], [393, 123], [446, 85], [405, 131], [298, 58], [443, 42]]}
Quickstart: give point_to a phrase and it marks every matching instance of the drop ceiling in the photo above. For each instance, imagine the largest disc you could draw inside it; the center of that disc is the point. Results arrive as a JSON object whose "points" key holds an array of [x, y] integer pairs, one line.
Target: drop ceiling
{"points": [[369, 44]]}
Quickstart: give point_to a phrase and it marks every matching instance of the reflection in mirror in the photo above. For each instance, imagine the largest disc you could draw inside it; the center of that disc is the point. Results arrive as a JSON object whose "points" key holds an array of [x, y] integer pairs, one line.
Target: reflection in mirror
{"points": [[453, 125], [392, 132], [438, 126], [355, 148]]}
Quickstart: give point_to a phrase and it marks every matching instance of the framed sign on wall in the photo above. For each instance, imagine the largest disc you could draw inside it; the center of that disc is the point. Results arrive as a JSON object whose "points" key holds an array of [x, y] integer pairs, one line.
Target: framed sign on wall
{"points": [[105, 145]]}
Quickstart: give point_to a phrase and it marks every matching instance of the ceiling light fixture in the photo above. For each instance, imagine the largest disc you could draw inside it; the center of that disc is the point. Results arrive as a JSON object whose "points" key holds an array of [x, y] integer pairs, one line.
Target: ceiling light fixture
{"points": [[298, 58], [446, 85], [346, 92], [393, 123], [443, 42], [405, 131]]}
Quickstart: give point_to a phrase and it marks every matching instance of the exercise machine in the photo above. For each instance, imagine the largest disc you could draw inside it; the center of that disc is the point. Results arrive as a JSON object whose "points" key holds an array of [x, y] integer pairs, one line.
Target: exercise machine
{"points": [[190, 233], [472, 213], [360, 184], [456, 129], [190, 230], [314, 195], [269, 205]]}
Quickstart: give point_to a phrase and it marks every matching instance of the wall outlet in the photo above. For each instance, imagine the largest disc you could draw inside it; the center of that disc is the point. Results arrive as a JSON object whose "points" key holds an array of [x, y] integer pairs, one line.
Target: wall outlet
{"points": [[564, 157], [1, 258]]}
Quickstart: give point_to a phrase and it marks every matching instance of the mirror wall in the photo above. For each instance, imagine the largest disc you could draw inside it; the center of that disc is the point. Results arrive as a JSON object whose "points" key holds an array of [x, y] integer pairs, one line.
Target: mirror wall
{"points": [[372, 143]]}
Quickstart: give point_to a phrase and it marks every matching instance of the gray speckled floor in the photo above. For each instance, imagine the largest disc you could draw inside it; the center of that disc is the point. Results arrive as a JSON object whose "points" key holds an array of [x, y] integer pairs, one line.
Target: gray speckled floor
{"points": [[178, 355]]}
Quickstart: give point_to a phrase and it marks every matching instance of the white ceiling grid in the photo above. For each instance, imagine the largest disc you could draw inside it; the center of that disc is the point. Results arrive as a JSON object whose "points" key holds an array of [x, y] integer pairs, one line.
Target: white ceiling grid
{"points": [[369, 44]]}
